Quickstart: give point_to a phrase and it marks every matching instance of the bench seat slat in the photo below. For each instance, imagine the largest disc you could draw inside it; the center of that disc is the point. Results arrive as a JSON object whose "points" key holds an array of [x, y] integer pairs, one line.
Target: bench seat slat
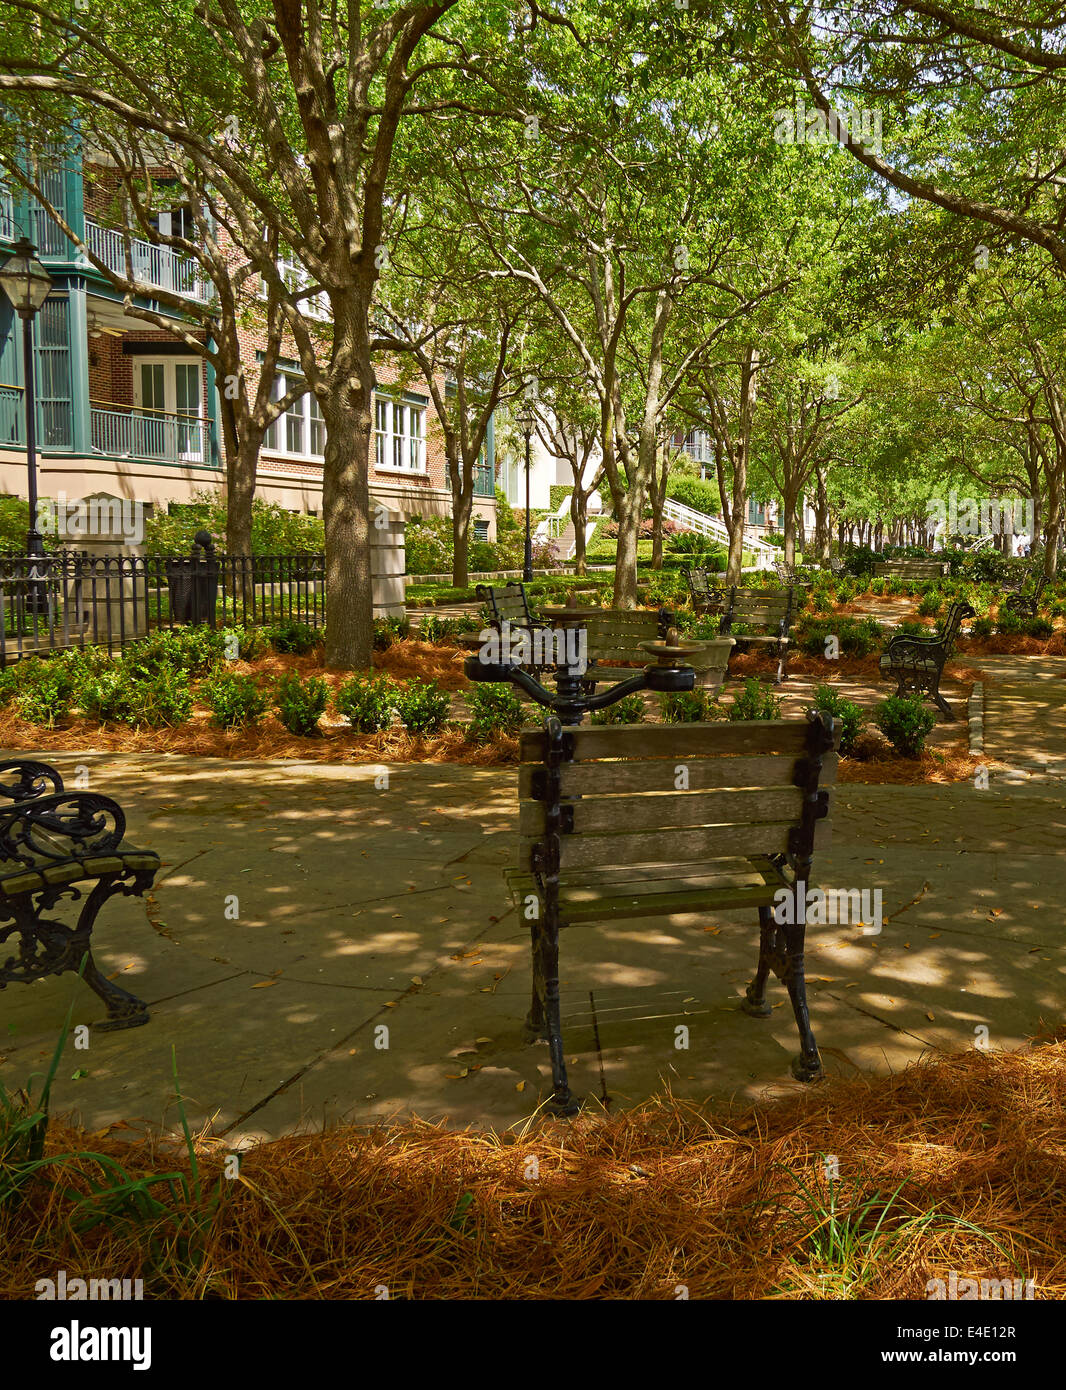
{"points": [[720, 885]]}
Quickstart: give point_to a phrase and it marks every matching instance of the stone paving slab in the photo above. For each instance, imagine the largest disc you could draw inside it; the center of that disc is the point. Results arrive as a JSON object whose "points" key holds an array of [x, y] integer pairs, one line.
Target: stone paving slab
{"points": [[364, 907]]}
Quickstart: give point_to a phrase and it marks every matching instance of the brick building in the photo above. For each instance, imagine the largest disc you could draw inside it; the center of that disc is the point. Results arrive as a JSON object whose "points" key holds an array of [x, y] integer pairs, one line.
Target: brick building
{"points": [[128, 410]]}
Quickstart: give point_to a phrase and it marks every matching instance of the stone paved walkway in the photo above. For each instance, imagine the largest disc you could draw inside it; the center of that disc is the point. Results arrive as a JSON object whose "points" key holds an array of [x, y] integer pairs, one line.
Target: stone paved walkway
{"points": [[365, 907]]}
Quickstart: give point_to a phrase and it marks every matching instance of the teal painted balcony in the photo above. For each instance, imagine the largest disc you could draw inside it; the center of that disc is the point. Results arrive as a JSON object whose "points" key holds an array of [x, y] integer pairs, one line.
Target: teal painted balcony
{"points": [[154, 267]]}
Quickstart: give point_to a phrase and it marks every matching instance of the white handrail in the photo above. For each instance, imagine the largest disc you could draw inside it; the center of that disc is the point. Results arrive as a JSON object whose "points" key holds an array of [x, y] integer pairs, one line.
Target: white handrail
{"points": [[712, 526]]}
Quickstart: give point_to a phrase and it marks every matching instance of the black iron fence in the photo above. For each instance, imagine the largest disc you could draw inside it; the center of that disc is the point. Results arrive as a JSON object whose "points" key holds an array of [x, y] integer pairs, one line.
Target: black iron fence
{"points": [[74, 599]]}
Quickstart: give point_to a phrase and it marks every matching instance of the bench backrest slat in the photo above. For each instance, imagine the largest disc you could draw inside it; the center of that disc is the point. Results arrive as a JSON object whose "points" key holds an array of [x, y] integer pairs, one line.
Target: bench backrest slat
{"points": [[655, 774], [507, 602]]}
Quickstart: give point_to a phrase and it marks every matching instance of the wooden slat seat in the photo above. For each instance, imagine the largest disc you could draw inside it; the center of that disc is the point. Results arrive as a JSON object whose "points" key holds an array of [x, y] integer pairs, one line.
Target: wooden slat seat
{"points": [[639, 821], [911, 569]]}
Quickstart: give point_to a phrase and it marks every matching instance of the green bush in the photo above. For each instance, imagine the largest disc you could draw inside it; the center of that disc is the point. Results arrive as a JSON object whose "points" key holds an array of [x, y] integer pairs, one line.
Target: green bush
{"points": [[930, 605], [235, 701], [494, 708], [159, 701], [694, 493], [857, 636], [435, 629], [982, 627], [301, 704], [367, 702], [1008, 623], [853, 720], [294, 639], [47, 695], [755, 701], [628, 710], [906, 722], [423, 707], [104, 697], [275, 531], [691, 707], [190, 650], [252, 642], [1038, 627], [390, 630]]}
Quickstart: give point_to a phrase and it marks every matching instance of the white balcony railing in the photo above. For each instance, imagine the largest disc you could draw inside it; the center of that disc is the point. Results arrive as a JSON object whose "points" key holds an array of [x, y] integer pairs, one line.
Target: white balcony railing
{"points": [[155, 267], [148, 434]]}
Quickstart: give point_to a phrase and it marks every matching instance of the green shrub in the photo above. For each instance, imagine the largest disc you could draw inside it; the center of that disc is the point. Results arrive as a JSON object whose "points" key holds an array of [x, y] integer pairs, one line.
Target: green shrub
{"points": [[857, 636], [691, 707], [423, 707], [494, 708], [160, 701], [390, 630], [47, 695], [1008, 622], [906, 722], [252, 642], [435, 629], [628, 710], [694, 493], [190, 650], [755, 701], [105, 696], [294, 639], [367, 702], [982, 627], [301, 704], [930, 605], [235, 701], [1038, 627], [853, 720]]}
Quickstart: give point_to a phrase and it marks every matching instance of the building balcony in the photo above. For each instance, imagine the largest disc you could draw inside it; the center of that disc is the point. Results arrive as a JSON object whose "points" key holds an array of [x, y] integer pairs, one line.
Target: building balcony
{"points": [[158, 436], [154, 267]]}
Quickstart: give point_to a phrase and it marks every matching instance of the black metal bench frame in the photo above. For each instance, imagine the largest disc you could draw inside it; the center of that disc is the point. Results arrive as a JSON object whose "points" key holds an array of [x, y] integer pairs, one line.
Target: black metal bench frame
{"points": [[705, 595], [781, 944], [52, 843], [509, 603], [1023, 604], [917, 663]]}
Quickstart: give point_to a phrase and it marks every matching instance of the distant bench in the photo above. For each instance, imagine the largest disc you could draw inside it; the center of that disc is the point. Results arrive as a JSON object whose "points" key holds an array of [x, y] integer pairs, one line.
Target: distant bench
{"points": [[911, 569]]}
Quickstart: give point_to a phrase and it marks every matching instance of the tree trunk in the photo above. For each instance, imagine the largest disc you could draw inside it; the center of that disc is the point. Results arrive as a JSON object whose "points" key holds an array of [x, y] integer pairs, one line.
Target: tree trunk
{"points": [[739, 502], [462, 483], [579, 511], [346, 409], [788, 524]]}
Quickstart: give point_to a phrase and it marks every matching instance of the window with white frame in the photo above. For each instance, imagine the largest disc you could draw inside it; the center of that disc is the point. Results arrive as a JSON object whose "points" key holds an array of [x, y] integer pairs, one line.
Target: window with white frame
{"points": [[300, 430], [399, 435], [296, 277]]}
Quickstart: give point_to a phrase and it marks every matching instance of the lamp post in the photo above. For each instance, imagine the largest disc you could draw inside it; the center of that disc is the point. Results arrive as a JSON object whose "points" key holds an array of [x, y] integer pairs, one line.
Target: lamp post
{"points": [[526, 417], [26, 283]]}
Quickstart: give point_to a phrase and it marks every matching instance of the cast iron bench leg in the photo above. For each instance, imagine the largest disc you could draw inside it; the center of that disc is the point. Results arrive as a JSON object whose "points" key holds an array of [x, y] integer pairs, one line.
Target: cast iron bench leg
{"points": [[808, 1065], [535, 1026], [562, 1102], [942, 704], [124, 1010], [754, 1002]]}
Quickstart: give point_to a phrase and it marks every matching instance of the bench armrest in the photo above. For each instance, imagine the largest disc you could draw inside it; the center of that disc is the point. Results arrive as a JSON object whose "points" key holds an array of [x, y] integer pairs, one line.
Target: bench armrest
{"points": [[61, 826], [33, 779], [903, 649]]}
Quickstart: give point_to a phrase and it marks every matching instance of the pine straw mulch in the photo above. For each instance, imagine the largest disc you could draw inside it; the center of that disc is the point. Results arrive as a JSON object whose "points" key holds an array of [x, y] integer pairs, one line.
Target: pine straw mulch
{"points": [[959, 1157]]}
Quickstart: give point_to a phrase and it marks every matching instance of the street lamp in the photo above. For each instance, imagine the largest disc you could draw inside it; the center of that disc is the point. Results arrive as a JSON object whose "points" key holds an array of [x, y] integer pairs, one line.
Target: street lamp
{"points": [[526, 418], [27, 284]]}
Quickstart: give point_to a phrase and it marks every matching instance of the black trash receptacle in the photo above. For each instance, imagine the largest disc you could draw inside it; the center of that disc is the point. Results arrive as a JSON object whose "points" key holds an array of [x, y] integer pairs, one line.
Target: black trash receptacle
{"points": [[192, 584]]}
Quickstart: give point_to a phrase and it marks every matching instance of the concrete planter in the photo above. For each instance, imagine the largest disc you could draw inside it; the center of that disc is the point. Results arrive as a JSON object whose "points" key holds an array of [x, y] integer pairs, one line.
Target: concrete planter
{"points": [[710, 662]]}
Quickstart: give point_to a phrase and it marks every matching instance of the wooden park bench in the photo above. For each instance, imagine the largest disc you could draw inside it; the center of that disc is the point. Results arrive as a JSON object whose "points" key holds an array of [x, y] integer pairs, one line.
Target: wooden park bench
{"points": [[614, 650], [911, 569], [706, 590], [57, 844], [772, 610], [509, 603], [792, 575], [917, 663], [606, 835], [1027, 604]]}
